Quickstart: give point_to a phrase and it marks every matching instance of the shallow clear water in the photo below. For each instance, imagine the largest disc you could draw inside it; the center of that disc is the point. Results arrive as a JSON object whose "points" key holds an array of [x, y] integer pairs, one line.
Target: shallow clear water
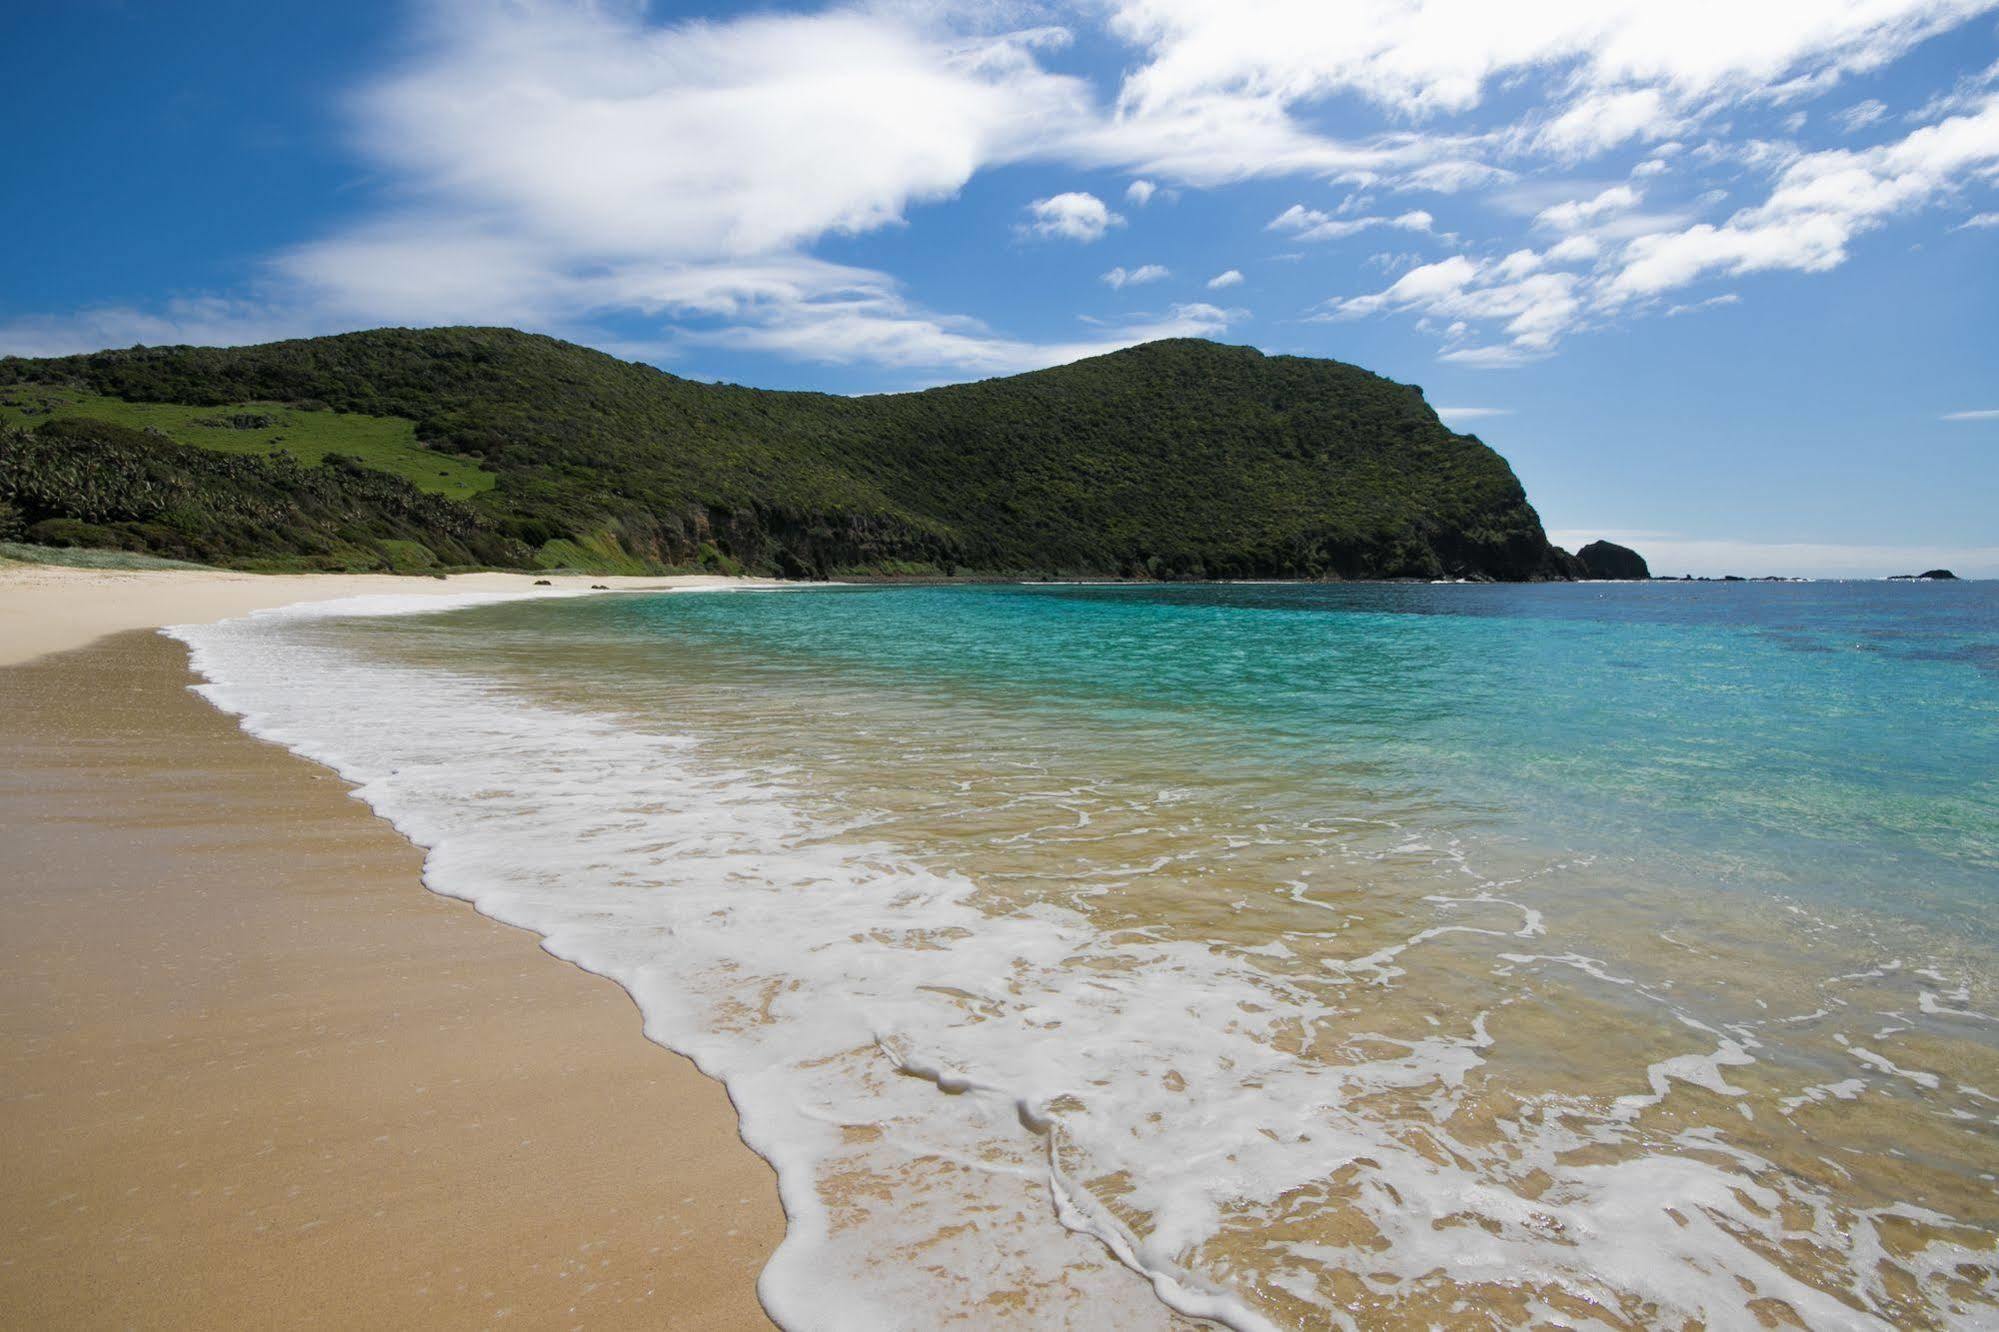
{"points": [[1381, 955]]}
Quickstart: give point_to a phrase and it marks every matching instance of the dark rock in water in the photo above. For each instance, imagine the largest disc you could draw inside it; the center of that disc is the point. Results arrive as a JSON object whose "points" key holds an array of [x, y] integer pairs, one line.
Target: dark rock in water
{"points": [[1938, 576], [1607, 559]]}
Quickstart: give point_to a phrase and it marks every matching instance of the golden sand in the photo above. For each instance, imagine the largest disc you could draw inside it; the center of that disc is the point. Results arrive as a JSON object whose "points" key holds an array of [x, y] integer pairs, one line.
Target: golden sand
{"points": [[256, 1076], [48, 608]]}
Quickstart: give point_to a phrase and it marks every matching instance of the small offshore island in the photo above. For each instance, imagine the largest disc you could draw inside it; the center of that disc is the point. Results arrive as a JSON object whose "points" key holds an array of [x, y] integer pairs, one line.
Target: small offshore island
{"points": [[422, 451]]}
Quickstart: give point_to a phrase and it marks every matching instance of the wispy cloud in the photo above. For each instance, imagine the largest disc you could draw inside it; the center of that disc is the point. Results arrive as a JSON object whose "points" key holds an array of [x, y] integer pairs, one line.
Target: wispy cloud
{"points": [[1861, 114], [1472, 413], [1133, 277], [1980, 414], [1311, 224], [1230, 277]]}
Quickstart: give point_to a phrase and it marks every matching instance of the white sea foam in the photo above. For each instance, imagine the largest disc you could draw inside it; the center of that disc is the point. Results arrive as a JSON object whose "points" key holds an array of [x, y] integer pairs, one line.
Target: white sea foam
{"points": [[943, 1090]]}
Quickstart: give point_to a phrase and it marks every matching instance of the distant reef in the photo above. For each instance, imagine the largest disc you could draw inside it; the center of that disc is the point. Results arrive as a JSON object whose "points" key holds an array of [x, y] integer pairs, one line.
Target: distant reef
{"points": [[438, 448], [1927, 576]]}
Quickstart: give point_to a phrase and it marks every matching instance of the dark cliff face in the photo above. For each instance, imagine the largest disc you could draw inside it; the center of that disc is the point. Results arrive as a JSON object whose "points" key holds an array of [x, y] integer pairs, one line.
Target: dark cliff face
{"points": [[1176, 459], [1607, 559]]}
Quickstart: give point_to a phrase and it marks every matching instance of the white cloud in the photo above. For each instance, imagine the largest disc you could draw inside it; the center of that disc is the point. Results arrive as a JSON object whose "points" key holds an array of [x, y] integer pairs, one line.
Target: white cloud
{"points": [[1534, 309], [585, 124], [1519, 306], [1451, 175], [1980, 414], [1966, 92], [1576, 214], [1472, 413], [1726, 298], [1140, 192], [1821, 202], [1861, 114], [875, 337], [1978, 221], [1076, 216], [1121, 277], [1622, 68], [1579, 249], [1604, 120], [1312, 224], [1227, 278], [1495, 356]]}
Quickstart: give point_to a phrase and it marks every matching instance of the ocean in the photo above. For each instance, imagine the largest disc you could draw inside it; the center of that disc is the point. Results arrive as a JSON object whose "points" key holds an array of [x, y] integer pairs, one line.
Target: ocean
{"points": [[1285, 956]]}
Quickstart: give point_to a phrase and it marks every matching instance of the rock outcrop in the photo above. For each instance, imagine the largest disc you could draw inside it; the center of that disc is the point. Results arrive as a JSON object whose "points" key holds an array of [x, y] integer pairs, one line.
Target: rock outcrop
{"points": [[1608, 560]]}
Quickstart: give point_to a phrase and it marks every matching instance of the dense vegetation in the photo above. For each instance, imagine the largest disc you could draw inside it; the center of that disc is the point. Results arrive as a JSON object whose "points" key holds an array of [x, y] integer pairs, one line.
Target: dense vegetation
{"points": [[1180, 459], [95, 484]]}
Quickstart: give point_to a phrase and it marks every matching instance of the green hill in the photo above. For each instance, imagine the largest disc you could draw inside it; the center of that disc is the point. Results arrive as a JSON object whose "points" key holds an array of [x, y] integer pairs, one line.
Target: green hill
{"points": [[402, 448]]}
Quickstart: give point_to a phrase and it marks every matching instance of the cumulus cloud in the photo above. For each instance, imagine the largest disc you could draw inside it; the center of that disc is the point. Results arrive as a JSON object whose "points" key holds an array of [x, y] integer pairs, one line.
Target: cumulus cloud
{"points": [[1076, 216], [1604, 120], [1122, 277], [1532, 308], [1231, 277], [1140, 192]]}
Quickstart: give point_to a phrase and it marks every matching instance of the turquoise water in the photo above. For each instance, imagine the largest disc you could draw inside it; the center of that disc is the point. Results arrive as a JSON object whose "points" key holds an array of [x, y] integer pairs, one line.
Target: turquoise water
{"points": [[1837, 740], [1377, 956]]}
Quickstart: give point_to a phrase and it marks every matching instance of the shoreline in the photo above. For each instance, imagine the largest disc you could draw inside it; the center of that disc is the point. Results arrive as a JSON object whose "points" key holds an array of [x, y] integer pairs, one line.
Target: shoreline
{"points": [[261, 1075], [46, 608]]}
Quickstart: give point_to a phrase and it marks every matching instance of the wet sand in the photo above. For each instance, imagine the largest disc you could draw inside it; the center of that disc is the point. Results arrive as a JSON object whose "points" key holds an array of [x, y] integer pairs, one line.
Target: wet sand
{"points": [[256, 1075]]}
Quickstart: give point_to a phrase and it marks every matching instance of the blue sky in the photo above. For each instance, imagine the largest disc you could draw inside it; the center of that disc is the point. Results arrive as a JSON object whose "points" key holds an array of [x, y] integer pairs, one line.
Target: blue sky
{"points": [[1720, 279]]}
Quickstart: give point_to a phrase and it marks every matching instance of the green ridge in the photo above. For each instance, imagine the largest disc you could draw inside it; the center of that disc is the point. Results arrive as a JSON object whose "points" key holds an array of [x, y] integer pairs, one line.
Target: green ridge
{"points": [[1180, 458]]}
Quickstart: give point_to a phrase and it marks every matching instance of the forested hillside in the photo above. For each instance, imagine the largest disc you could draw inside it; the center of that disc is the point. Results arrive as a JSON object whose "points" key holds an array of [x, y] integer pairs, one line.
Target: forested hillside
{"points": [[1177, 459]]}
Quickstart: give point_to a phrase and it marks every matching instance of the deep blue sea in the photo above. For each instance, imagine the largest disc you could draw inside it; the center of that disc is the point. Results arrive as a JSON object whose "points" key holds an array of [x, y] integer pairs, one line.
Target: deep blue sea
{"points": [[1371, 955]]}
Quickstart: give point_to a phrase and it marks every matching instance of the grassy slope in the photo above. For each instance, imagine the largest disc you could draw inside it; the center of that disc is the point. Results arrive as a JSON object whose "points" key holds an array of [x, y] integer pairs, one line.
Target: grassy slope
{"points": [[386, 443], [1179, 457]]}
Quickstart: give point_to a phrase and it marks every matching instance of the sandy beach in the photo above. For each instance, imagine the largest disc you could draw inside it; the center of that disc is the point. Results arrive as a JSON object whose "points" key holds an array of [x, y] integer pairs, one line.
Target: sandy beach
{"points": [[258, 1076]]}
